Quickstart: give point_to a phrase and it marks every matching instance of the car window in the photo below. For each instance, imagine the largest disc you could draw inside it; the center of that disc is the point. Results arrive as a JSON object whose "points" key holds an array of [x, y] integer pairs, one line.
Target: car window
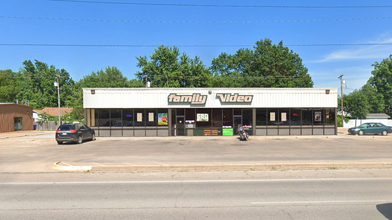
{"points": [[364, 126], [66, 127], [379, 125]]}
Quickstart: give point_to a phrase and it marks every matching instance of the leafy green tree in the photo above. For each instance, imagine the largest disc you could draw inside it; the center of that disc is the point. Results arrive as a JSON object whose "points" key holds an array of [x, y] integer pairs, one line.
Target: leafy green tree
{"points": [[381, 81], [268, 65], [357, 104], [166, 68], [36, 84], [7, 86], [375, 99]]}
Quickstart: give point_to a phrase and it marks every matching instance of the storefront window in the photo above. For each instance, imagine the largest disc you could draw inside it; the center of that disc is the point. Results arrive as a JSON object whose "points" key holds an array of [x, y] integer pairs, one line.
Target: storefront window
{"points": [[261, 116], [152, 117], [163, 118], [228, 117], [103, 118], [284, 116], [115, 118], [273, 117], [203, 118], [217, 121], [295, 117], [237, 111], [330, 116], [307, 117], [140, 118], [318, 117], [247, 118], [127, 117]]}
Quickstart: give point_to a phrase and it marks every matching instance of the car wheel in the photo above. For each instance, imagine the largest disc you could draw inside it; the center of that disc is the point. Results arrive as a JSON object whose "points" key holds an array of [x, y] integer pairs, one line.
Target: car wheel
{"points": [[384, 133], [80, 139], [59, 142], [360, 132]]}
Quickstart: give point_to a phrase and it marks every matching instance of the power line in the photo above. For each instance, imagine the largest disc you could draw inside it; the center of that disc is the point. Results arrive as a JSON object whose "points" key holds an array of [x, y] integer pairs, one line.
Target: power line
{"points": [[226, 6], [194, 22], [184, 45]]}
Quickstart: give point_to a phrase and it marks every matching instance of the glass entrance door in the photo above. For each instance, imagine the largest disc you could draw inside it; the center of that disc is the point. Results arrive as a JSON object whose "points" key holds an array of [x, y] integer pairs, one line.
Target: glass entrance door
{"points": [[180, 126], [237, 123]]}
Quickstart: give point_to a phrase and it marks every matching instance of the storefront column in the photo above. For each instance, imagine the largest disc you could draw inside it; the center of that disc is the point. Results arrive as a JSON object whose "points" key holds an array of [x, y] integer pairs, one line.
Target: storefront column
{"points": [[254, 121], [170, 116], [92, 119], [336, 121], [87, 121]]}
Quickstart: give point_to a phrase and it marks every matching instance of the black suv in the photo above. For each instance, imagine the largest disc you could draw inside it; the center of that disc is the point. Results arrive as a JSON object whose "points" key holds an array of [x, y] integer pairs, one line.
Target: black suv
{"points": [[74, 133]]}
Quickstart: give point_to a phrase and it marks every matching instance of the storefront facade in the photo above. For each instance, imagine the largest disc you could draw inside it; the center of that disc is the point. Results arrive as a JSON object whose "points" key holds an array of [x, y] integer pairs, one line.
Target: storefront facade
{"points": [[141, 112]]}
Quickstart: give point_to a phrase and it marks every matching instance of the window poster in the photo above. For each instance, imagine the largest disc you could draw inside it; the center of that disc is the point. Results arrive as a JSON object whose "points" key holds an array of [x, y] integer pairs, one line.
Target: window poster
{"points": [[272, 116], [202, 117], [151, 116], [162, 119], [140, 117], [317, 116], [283, 116]]}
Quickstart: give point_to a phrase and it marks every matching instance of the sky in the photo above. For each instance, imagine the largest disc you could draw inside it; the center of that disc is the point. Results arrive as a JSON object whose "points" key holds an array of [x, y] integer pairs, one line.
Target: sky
{"points": [[331, 38]]}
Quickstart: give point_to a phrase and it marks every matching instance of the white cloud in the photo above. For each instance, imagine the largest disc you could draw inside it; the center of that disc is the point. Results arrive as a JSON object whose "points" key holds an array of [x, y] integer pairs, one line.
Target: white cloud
{"points": [[375, 52]]}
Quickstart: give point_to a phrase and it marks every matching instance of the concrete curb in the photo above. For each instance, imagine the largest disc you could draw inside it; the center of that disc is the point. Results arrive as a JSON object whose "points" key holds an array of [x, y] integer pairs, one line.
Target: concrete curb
{"points": [[243, 166], [70, 168]]}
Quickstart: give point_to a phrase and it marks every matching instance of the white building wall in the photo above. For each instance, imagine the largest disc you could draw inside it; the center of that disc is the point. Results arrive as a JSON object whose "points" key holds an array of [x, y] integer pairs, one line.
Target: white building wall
{"points": [[158, 97]]}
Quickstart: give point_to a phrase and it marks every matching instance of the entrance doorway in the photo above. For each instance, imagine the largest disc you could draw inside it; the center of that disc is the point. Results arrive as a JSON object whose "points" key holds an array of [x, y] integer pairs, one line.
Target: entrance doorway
{"points": [[237, 123], [180, 126]]}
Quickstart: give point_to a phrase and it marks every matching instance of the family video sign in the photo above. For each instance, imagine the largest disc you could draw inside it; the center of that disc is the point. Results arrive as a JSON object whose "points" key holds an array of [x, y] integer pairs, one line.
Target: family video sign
{"points": [[236, 98], [194, 99]]}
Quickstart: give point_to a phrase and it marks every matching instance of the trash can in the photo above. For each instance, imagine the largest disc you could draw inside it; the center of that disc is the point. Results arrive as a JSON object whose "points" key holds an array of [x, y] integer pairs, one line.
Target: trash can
{"points": [[35, 127]]}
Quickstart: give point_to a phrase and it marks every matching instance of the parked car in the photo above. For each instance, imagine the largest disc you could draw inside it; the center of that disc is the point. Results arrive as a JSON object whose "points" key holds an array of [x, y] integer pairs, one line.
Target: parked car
{"points": [[74, 133], [371, 128]]}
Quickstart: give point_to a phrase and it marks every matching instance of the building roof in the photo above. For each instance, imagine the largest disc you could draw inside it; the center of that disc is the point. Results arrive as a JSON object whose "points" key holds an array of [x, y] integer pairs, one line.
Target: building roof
{"points": [[377, 116], [54, 111]]}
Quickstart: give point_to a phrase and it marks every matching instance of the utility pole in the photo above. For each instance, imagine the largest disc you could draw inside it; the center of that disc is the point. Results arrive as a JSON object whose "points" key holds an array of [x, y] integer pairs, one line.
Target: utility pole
{"points": [[341, 89], [58, 95]]}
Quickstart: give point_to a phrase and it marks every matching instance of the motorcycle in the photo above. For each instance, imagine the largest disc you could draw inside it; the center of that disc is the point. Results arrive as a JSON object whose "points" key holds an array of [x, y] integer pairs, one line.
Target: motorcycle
{"points": [[243, 134]]}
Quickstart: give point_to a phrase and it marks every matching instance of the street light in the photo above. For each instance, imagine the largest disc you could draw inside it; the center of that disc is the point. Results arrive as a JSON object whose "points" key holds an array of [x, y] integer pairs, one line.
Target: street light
{"points": [[58, 95]]}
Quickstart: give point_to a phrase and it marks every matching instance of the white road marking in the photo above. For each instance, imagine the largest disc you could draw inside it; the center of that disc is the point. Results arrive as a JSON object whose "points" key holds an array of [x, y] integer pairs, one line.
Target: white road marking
{"points": [[317, 202]]}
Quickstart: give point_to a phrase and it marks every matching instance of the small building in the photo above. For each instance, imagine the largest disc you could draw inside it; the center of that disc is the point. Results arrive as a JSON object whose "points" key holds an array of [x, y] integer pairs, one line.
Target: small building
{"points": [[152, 112], [52, 111], [15, 117]]}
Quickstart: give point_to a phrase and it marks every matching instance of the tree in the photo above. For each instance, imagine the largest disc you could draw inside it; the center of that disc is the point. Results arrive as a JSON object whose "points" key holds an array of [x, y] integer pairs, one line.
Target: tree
{"points": [[268, 65], [35, 83], [375, 99], [357, 104], [381, 81], [7, 86], [166, 68]]}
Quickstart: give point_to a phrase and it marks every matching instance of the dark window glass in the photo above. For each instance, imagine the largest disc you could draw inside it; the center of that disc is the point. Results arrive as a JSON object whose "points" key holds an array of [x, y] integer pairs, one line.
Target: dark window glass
{"points": [[247, 117], [180, 111], [318, 117], [203, 118], [284, 117], [237, 111], [228, 117], [67, 127], [307, 117], [163, 117], [295, 117], [190, 114], [217, 118], [96, 116], [127, 117], [273, 116], [151, 117], [261, 116], [104, 118], [115, 118], [330, 116], [140, 117]]}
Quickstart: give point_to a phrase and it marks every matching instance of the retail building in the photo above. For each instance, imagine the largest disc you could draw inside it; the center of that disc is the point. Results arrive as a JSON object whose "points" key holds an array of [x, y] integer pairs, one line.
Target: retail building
{"points": [[152, 112]]}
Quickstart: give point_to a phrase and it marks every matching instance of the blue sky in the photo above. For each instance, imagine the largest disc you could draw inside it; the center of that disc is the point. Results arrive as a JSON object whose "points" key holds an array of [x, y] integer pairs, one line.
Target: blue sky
{"points": [[64, 22]]}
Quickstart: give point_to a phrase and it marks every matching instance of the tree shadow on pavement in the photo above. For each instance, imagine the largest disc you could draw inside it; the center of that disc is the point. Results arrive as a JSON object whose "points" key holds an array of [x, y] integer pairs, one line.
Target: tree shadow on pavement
{"points": [[386, 210]]}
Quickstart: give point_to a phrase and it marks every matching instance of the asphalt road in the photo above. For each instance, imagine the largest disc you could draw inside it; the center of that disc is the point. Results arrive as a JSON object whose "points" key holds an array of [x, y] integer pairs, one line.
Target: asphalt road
{"points": [[250, 199], [38, 153]]}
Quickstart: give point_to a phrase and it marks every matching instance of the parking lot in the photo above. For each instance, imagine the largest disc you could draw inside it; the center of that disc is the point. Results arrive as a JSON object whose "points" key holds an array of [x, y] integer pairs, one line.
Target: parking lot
{"points": [[38, 152]]}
